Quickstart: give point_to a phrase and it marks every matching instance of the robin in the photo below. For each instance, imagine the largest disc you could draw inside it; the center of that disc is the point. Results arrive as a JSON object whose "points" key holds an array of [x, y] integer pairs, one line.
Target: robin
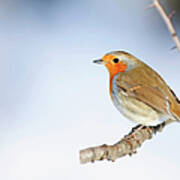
{"points": [[139, 92]]}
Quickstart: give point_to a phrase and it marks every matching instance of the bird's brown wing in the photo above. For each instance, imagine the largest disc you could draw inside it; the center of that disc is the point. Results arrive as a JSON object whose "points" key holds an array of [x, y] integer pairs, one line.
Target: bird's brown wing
{"points": [[147, 91]]}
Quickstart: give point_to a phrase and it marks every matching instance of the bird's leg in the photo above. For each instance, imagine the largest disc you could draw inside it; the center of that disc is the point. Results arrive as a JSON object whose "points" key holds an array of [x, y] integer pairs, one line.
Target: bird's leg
{"points": [[159, 127], [135, 130], [133, 133]]}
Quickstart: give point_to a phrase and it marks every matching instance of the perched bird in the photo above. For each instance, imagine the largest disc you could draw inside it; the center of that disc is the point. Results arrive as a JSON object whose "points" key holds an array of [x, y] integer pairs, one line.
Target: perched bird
{"points": [[139, 92]]}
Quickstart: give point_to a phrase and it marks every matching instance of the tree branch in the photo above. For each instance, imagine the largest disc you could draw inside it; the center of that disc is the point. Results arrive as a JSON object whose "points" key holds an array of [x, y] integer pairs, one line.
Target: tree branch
{"points": [[167, 20], [126, 146]]}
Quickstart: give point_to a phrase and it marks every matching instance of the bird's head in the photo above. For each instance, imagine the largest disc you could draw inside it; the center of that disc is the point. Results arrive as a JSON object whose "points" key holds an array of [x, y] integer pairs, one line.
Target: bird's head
{"points": [[117, 61]]}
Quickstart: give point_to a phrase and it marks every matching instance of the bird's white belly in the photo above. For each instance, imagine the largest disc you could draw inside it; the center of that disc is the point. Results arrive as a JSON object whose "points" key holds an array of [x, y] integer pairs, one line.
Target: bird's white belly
{"points": [[134, 109]]}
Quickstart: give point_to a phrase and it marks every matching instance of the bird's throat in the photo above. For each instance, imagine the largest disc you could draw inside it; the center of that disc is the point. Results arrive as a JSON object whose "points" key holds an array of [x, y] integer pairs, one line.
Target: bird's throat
{"points": [[116, 68], [113, 72]]}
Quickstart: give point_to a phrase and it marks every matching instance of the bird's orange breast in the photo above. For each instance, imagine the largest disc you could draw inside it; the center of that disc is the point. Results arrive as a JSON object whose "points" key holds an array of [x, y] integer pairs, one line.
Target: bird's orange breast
{"points": [[114, 69]]}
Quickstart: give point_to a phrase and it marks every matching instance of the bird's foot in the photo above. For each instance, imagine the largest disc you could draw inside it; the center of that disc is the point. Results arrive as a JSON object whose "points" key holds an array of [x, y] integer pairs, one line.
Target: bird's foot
{"points": [[135, 130], [158, 127]]}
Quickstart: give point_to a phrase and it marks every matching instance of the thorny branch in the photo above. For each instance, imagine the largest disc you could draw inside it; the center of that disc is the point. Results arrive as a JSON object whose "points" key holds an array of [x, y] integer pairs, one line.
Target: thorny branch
{"points": [[126, 146], [167, 20]]}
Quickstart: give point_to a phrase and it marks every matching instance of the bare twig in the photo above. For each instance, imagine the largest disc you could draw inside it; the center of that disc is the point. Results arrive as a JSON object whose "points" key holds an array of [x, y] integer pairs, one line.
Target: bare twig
{"points": [[126, 146], [150, 6], [168, 22], [171, 14]]}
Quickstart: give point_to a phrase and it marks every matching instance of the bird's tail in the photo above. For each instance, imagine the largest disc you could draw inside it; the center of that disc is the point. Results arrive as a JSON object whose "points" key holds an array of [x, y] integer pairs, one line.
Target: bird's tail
{"points": [[176, 112], [175, 107]]}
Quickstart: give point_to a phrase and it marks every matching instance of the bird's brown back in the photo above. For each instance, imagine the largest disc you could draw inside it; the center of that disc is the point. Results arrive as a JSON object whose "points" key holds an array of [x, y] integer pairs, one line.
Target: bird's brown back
{"points": [[145, 84]]}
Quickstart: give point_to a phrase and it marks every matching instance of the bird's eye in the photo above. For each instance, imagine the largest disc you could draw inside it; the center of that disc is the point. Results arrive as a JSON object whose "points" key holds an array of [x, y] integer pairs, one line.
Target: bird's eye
{"points": [[116, 60]]}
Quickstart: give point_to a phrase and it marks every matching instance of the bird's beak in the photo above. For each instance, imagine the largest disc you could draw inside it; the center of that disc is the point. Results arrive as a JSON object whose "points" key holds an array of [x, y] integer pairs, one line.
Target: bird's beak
{"points": [[99, 61]]}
